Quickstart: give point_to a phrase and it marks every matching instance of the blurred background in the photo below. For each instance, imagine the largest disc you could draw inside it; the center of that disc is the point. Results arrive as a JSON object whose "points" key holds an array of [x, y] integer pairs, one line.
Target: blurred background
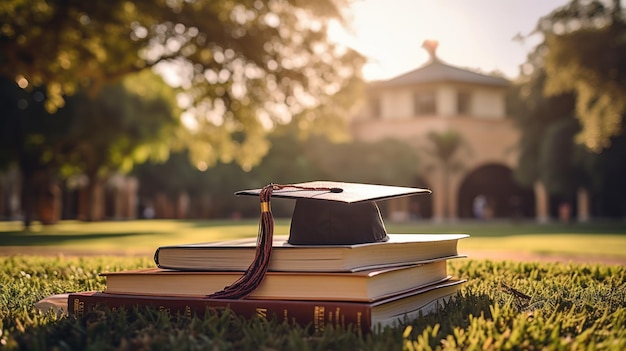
{"points": [[125, 110]]}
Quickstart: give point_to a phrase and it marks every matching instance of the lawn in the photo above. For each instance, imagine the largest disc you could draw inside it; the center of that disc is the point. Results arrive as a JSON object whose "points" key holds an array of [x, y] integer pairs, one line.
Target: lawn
{"points": [[570, 305], [143, 237]]}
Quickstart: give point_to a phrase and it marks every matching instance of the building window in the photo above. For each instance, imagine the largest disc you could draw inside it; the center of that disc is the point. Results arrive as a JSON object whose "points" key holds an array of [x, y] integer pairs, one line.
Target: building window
{"points": [[424, 103], [376, 107], [463, 103]]}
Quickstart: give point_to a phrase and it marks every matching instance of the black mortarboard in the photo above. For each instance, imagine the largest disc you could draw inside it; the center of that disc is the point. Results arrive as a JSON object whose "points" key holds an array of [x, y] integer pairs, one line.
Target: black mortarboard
{"points": [[326, 213], [337, 213]]}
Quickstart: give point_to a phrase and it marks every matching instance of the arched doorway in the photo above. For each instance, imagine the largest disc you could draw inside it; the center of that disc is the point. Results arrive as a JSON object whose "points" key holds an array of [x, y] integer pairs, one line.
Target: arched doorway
{"points": [[491, 191]]}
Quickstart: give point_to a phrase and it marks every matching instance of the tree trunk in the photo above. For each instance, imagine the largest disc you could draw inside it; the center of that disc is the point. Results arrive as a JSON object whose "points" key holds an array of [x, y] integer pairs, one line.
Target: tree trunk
{"points": [[49, 202], [91, 201], [27, 198]]}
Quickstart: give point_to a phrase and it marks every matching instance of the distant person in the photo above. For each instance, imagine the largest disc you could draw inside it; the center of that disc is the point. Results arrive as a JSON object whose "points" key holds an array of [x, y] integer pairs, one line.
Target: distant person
{"points": [[479, 206], [148, 212]]}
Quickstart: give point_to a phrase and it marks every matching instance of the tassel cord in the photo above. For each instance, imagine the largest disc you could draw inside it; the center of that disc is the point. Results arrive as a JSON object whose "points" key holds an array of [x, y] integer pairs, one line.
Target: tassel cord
{"points": [[253, 276]]}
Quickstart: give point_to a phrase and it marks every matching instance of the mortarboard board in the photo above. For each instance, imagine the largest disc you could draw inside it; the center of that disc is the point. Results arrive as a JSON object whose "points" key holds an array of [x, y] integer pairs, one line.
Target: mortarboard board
{"points": [[326, 213], [337, 213]]}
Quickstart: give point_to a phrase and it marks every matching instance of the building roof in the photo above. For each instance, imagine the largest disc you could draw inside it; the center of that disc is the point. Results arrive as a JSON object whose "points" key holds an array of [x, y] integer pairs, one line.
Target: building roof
{"points": [[438, 72]]}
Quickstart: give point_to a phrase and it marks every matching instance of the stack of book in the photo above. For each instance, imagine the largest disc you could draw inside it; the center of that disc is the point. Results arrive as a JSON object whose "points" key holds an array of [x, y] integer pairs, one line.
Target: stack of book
{"points": [[361, 285]]}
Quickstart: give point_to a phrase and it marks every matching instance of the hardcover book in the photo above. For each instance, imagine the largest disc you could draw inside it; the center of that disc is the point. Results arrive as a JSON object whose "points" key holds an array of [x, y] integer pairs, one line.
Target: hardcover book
{"points": [[236, 255], [369, 285], [319, 314]]}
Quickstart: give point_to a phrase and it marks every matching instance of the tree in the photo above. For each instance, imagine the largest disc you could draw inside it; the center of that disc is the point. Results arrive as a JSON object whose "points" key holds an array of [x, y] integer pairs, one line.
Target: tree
{"points": [[607, 172], [561, 171], [444, 147], [291, 160], [540, 118], [28, 135], [584, 53], [562, 147], [387, 161], [124, 123], [245, 65]]}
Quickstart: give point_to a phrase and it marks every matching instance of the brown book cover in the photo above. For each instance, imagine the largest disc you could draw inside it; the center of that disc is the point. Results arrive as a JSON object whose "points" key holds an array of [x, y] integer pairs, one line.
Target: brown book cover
{"points": [[236, 255], [319, 314], [367, 285]]}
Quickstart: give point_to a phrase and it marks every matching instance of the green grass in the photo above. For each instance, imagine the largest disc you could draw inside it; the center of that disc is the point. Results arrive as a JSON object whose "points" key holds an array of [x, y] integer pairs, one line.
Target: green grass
{"points": [[607, 239], [143, 237], [571, 307], [126, 236]]}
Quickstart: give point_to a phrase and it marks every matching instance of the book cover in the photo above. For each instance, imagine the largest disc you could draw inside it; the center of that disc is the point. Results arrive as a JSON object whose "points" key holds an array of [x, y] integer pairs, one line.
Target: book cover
{"points": [[236, 255], [319, 314], [367, 285]]}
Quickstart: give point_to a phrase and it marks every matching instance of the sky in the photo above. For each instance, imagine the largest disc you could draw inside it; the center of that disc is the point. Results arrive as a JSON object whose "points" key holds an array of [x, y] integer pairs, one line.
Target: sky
{"points": [[475, 34]]}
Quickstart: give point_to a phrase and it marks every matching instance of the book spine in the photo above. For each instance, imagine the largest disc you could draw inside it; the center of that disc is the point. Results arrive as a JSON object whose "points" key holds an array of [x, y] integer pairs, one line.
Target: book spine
{"points": [[318, 314], [156, 256]]}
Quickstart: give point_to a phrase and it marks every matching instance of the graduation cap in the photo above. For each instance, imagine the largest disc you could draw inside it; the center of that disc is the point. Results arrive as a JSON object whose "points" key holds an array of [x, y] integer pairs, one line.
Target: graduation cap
{"points": [[326, 213]]}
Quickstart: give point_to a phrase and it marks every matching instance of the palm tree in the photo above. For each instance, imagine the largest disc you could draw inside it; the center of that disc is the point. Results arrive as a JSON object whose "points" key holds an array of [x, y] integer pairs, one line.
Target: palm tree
{"points": [[444, 147]]}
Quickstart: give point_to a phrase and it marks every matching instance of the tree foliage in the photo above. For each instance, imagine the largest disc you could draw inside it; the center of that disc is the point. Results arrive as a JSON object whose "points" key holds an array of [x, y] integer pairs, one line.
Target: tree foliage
{"points": [[387, 161], [127, 122], [123, 123], [536, 114], [28, 139], [584, 53], [290, 160], [560, 146], [444, 146], [561, 170], [244, 65]]}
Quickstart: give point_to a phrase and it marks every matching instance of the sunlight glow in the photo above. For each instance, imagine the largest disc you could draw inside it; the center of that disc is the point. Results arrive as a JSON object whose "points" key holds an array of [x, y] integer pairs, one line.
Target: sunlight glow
{"points": [[21, 82], [475, 34]]}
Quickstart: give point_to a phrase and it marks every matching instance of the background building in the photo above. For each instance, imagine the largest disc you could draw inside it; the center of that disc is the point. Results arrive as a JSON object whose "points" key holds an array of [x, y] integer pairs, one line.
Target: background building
{"points": [[438, 106]]}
